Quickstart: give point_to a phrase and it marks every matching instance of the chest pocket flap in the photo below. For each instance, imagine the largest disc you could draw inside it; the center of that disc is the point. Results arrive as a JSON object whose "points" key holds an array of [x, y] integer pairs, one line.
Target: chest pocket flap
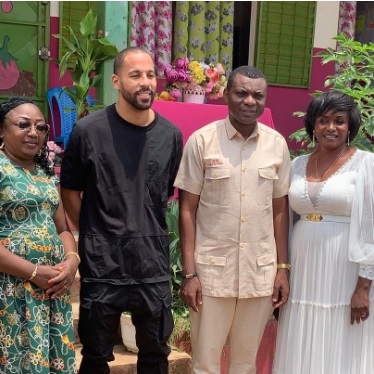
{"points": [[217, 173], [268, 173]]}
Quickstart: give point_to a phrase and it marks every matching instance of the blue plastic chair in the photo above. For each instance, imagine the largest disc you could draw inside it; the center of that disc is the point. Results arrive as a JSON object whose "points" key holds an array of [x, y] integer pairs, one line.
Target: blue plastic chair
{"points": [[67, 112]]}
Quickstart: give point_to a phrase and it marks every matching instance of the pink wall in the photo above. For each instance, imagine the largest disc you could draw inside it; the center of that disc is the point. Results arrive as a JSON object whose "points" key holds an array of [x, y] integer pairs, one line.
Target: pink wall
{"points": [[54, 74], [284, 101]]}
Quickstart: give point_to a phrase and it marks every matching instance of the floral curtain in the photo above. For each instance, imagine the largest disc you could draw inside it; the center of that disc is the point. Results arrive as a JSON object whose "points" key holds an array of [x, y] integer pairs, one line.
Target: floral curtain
{"points": [[347, 18], [347, 21], [203, 30], [151, 28]]}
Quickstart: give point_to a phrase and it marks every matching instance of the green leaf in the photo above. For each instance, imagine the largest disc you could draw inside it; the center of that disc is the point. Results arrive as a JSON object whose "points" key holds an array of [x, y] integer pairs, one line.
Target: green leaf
{"points": [[77, 44], [95, 80], [88, 24]]}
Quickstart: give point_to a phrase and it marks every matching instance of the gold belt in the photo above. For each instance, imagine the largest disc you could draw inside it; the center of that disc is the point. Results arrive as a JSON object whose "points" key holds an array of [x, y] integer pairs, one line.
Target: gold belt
{"points": [[316, 217]]}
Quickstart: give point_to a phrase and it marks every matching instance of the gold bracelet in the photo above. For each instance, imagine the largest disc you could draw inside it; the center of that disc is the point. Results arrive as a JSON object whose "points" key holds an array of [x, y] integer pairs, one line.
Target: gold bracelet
{"points": [[284, 266], [189, 275], [33, 274], [74, 254]]}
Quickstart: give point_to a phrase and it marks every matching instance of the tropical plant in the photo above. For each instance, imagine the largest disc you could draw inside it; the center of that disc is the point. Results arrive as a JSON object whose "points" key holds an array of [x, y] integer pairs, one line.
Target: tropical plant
{"points": [[355, 77], [181, 332], [84, 53], [172, 220]]}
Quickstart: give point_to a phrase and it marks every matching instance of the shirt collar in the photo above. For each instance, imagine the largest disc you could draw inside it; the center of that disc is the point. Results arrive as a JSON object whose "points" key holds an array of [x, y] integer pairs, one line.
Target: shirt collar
{"points": [[231, 131]]}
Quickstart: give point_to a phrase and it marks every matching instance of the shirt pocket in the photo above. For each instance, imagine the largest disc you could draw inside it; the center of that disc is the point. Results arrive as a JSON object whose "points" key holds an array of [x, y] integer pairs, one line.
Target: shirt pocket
{"points": [[211, 269], [266, 178], [265, 269], [216, 185]]}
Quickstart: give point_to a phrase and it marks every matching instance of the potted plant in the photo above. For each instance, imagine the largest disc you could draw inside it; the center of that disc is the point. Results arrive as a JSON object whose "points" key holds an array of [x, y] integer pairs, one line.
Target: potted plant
{"points": [[197, 80], [85, 52]]}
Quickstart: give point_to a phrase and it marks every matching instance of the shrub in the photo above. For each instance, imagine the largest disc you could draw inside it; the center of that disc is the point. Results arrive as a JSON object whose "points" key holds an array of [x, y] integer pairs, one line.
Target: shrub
{"points": [[355, 62]]}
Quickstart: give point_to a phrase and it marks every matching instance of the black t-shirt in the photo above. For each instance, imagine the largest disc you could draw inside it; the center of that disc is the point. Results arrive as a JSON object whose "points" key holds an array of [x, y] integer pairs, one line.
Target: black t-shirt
{"points": [[126, 173]]}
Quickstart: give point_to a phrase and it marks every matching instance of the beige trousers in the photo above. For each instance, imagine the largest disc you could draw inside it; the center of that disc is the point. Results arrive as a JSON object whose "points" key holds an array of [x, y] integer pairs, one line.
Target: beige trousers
{"points": [[239, 322]]}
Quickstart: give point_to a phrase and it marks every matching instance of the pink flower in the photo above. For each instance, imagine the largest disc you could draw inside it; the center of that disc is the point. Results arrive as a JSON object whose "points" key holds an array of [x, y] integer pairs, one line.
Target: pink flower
{"points": [[209, 87], [53, 147], [212, 74], [51, 156], [171, 76], [183, 76], [175, 94], [220, 70], [182, 63]]}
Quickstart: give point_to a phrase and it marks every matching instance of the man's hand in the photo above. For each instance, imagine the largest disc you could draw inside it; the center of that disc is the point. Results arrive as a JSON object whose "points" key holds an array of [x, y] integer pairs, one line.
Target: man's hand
{"points": [[281, 288], [191, 293]]}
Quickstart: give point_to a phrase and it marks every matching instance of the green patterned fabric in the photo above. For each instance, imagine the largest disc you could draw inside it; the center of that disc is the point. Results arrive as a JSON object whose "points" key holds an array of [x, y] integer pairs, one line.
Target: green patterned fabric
{"points": [[204, 31], [36, 333]]}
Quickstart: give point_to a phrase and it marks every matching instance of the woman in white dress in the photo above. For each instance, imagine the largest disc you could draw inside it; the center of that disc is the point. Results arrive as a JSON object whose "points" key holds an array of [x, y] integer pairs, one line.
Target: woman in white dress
{"points": [[326, 326]]}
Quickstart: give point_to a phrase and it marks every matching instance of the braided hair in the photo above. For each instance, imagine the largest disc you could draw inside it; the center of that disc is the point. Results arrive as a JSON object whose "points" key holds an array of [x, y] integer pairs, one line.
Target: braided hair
{"points": [[41, 158]]}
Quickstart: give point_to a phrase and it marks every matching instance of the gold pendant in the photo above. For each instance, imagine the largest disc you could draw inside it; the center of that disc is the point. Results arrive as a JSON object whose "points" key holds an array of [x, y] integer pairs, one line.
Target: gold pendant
{"points": [[314, 217]]}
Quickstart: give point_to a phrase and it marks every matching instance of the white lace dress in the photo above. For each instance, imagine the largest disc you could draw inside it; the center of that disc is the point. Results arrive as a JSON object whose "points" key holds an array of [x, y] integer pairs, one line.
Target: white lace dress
{"points": [[314, 334]]}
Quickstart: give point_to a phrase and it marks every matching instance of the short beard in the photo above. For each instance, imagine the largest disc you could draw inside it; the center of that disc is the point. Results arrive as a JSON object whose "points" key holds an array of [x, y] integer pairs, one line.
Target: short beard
{"points": [[133, 99]]}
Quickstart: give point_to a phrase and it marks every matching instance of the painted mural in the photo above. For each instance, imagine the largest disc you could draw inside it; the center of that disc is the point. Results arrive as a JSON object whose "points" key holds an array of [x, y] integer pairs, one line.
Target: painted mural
{"points": [[9, 71], [23, 29]]}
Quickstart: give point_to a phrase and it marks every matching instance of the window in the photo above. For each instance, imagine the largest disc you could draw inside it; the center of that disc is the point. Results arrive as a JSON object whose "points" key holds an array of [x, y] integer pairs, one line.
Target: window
{"points": [[71, 13], [284, 45]]}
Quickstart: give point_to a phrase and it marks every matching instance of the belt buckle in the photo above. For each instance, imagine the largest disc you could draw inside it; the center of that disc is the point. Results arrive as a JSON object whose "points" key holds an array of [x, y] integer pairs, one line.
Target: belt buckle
{"points": [[314, 217]]}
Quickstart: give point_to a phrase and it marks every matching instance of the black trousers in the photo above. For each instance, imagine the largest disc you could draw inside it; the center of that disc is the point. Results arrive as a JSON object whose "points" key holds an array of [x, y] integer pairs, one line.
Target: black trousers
{"points": [[101, 306]]}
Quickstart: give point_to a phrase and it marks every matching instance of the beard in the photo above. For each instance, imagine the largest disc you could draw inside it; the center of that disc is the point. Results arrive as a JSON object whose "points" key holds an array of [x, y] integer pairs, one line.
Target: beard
{"points": [[133, 100]]}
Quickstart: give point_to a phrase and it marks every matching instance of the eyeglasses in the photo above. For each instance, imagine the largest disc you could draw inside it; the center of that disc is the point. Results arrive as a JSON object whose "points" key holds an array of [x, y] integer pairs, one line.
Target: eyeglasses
{"points": [[25, 126]]}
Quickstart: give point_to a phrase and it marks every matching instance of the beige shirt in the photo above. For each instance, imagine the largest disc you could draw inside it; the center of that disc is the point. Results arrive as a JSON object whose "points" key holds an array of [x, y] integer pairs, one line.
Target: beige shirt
{"points": [[236, 179]]}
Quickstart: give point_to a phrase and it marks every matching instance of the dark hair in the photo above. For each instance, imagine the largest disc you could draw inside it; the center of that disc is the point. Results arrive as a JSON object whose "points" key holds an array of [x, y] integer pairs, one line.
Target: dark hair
{"points": [[120, 58], [247, 71], [42, 159], [337, 102]]}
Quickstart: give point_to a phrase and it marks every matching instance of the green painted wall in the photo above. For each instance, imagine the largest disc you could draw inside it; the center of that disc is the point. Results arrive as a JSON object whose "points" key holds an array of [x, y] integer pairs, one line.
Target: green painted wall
{"points": [[113, 20]]}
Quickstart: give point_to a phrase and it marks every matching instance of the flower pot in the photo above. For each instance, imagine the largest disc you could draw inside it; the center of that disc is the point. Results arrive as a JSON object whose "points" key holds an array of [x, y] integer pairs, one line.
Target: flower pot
{"points": [[128, 333], [194, 95]]}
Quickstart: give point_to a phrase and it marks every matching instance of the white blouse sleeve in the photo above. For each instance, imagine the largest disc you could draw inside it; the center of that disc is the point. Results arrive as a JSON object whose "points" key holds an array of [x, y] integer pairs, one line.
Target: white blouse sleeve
{"points": [[366, 271], [361, 238]]}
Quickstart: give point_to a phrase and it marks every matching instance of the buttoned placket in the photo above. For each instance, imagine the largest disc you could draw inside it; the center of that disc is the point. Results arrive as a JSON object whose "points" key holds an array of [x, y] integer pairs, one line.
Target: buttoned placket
{"points": [[244, 214]]}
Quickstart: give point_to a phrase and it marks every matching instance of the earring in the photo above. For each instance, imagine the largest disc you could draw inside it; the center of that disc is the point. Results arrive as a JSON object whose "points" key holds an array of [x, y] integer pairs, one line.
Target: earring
{"points": [[348, 138], [313, 140], [39, 153], [2, 144]]}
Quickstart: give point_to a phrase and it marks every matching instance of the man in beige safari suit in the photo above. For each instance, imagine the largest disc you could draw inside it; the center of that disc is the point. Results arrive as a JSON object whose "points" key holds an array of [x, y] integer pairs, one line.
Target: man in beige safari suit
{"points": [[233, 181]]}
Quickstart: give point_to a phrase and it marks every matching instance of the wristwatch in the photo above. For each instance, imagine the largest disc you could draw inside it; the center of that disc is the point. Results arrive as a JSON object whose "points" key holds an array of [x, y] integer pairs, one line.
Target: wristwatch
{"points": [[284, 266]]}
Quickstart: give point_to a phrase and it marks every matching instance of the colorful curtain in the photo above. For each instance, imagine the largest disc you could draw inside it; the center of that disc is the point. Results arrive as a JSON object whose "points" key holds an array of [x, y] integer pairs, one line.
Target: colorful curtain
{"points": [[347, 22], [151, 28], [347, 18], [204, 30]]}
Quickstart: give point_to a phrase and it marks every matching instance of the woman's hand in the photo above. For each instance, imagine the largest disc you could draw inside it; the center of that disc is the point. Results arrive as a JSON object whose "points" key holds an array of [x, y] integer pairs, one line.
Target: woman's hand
{"points": [[360, 301], [59, 284], [45, 273]]}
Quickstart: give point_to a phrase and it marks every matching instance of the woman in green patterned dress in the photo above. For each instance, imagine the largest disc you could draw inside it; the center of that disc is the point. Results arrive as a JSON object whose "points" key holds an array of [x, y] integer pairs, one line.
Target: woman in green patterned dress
{"points": [[38, 258]]}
